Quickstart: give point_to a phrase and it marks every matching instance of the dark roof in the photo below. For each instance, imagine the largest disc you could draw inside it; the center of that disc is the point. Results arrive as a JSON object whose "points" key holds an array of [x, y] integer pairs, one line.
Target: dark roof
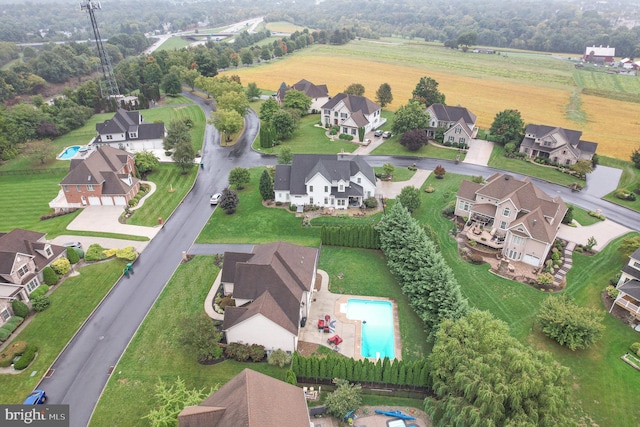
{"points": [[447, 113], [540, 131], [587, 146], [125, 122], [249, 399], [572, 137], [333, 167], [635, 254], [25, 242], [634, 272], [631, 287], [353, 103], [311, 90], [284, 312]]}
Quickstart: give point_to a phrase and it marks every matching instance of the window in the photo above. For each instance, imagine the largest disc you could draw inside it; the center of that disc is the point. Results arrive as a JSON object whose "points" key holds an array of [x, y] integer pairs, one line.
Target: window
{"points": [[109, 137], [568, 162], [326, 188], [343, 115], [48, 251], [462, 140], [89, 187], [66, 188], [311, 188], [503, 225], [636, 264], [359, 180], [526, 150], [327, 112], [353, 131], [23, 270], [555, 160], [458, 130], [564, 151], [5, 314], [335, 114], [517, 240], [506, 212], [287, 196], [341, 202], [465, 206], [78, 189], [341, 188], [32, 285], [547, 143], [452, 139], [310, 200], [133, 135], [345, 130], [326, 200]]}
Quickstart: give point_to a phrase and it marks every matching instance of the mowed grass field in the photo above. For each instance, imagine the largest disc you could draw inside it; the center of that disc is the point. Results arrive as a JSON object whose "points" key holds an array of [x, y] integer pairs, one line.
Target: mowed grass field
{"points": [[539, 86]]}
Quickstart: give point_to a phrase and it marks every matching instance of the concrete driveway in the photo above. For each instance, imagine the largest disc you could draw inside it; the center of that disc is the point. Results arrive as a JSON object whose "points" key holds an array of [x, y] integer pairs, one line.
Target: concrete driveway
{"points": [[390, 190], [105, 219], [603, 231], [479, 152]]}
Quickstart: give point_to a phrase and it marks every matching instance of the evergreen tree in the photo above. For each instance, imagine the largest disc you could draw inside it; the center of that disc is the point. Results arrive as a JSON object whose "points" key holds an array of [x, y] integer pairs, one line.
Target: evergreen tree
{"points": [[266, 186]]}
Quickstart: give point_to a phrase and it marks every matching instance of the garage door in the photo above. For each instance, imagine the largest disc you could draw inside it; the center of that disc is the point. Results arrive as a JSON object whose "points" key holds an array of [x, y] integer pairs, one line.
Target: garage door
{"points": [[94, 201], [107, 201], [120, 201], [531, 260]]}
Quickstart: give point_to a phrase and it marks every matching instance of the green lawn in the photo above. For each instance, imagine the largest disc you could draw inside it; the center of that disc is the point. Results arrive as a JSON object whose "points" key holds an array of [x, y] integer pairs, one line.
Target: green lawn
{"points": [[550, 174], [308, 139], [254, 223], [399, 174], [155, 352], [173, 43], [171, 187], [629, 180], [71, 303], [392, 147], [365, 273], [583, 217]]}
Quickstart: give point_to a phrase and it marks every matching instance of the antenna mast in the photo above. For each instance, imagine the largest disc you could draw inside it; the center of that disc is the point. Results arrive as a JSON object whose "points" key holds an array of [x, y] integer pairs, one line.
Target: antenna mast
{"points": [[111, 88]]}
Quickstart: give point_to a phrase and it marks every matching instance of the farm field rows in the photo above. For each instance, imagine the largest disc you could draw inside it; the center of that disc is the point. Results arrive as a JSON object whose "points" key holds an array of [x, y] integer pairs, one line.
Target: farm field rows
{"points": [[539, 86]]}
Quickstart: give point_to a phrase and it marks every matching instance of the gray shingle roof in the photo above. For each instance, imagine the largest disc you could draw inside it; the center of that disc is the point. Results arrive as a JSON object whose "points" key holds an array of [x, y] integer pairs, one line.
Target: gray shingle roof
{"points": [[632, 287], [447, 113], [125, 122], [353, 103]]}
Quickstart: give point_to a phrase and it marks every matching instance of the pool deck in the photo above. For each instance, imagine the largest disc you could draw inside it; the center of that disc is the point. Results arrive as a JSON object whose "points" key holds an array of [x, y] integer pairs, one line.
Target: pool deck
{"points": [[325, 302]]}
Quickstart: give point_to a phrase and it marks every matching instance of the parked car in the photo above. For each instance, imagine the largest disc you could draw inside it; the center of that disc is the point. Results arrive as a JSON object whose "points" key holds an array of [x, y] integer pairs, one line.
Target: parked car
{"points": [[215, 198], [37, 397], [73, 245], [377, 133], [386, 134]]}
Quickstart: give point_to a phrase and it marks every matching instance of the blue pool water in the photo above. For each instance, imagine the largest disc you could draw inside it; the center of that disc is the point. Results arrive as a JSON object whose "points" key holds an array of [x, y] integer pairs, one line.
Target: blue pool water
{"points": [[377, 327], [69, 152]]}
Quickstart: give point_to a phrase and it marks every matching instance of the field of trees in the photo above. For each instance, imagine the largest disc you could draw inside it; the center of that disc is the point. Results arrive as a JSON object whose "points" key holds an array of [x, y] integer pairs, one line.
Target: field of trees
{"points": [[540, 86]]}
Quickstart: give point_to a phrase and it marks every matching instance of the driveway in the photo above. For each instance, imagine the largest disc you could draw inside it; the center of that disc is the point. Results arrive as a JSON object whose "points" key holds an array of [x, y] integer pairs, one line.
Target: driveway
{"points": [[390, 190], [479, 152], [105, 219], [603, 231], [102, 241], [602, 181]]}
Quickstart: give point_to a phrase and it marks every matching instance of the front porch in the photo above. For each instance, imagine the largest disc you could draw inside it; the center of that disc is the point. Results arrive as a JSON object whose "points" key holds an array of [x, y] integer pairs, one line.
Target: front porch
{"points": [[628, 303]]}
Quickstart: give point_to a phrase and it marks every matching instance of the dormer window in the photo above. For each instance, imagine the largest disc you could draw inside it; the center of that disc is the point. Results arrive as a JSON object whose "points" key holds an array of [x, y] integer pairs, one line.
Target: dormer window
{"points": [[23, 270], [48, 251], [341, 188]]}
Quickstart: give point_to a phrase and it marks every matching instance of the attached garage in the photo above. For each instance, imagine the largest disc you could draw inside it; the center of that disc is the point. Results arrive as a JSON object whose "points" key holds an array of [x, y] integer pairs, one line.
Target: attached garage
{"points": [[107, 201], [94, 201], [120, 200], [531, 260]]}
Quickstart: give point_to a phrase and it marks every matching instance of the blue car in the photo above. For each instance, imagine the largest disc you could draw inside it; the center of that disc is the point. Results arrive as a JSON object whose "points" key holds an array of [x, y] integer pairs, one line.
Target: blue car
{"points": [[37, 397]]}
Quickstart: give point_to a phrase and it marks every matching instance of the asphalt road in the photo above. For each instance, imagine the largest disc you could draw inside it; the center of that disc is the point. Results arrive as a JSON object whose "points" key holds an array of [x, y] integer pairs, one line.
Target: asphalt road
{"points": [[83, 368]]}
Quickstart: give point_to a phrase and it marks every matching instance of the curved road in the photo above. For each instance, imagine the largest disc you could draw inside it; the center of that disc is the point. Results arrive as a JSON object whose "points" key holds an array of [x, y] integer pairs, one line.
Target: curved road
{"points": [[83, 368]]}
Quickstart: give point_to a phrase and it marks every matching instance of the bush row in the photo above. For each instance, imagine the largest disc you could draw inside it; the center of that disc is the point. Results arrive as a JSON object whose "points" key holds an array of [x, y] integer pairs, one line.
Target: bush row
{"points": [[7, 329], [353, 236], [42, 289], [345, 137], [95, 252], [461, 145], [244, 352], [26, 358], [56, 214]]}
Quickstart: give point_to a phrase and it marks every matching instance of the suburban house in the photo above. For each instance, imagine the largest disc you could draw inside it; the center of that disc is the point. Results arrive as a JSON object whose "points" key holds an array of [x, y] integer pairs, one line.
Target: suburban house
{"points": [[272, 288], [336, 181], [599, 54], [127, 131], [105, 178], [319, 94], [511, 215], [351, 112], [629, 286], [459, 123], [23, 256], [250, 399], [559, 145]]}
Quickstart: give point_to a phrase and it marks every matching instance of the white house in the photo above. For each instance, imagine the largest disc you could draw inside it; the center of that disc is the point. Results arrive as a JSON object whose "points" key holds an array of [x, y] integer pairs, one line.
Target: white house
{"points": [[127, 131], [319, 94], [351, 112], [337, 181], [272, 287], [629, 286]]}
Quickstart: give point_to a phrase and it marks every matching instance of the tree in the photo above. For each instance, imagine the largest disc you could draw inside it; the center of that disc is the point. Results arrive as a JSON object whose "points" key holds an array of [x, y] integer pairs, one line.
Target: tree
{"points": [[236, 101], [285, 156], [238, 177], [201, 336], [171, 84], [629, 245], [189, 76], [268, 109], [483, 376], [355, 89], [409, 117], [583, 167], [229, 201], [414, 139], [427, 93], [635, 158], [284, 124], [171, 399], [467, 40], [228, 122], [183, 156], [146, 162], [591, 242], [570, 325], [388, 169], [383, 95], [178, 132], [266, 186], [252, 91], [344, 399], [507, 126], [297, 100], [568, 217], [41, 149], [410, 198]]}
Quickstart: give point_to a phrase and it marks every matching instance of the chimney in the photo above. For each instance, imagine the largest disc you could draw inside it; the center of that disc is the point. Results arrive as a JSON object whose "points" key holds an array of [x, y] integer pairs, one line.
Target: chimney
{"points": [[534, 222]]}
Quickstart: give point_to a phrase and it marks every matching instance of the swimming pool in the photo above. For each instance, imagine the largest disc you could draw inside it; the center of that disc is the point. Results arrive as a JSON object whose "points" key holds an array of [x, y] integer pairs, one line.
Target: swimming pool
{"points": [[69, 152], [377, 327]]}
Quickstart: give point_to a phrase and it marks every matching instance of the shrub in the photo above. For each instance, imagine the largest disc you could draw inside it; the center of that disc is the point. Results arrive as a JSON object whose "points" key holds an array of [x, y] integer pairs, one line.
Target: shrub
{"points": [[279, 358], [579, 249], [61, 266], [555, 256], [19, 308], [544, 279], [476, 259], [345, 137], [448, 210], [9, 353], [371, 202], [4, 334], [293, 208], [635, 348], [128, 254], [623, 194], [257, 352], [94, 253], [41, 290], [49, 276], [109, 253], [510, 147], [41, 303], [612, 291], [472, 243], [72, 255], [236, 351], [26, 358], [429, 189], [439, 172]]}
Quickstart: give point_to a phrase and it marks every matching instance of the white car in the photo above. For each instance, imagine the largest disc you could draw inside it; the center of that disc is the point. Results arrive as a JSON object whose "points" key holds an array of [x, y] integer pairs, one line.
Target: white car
{"points": [[215, 198]]}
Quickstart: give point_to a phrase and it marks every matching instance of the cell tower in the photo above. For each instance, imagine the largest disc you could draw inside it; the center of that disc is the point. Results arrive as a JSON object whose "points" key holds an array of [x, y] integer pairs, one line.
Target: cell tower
{"points": [[110, 86]]}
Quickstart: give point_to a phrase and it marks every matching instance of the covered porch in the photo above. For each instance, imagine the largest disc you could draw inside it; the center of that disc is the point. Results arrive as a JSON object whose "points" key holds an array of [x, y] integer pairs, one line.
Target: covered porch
{"points": [[480, 228], [629, 298]]}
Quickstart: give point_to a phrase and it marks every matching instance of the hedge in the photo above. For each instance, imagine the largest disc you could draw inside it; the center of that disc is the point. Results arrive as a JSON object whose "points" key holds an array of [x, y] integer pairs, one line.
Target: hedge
{"points": [[7, 329], [94, 253], [353, 236], [41, 290], [26, 358]]}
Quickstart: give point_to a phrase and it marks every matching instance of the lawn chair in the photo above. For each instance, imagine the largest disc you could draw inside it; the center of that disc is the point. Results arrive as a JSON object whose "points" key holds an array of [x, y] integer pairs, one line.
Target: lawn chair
{"points": [[320, 324]]}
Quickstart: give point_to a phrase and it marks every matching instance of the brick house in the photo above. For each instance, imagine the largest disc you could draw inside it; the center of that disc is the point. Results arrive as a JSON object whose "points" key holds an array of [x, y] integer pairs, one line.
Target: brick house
{"points": [[104, 178], [559, 145], [23, 256]]}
